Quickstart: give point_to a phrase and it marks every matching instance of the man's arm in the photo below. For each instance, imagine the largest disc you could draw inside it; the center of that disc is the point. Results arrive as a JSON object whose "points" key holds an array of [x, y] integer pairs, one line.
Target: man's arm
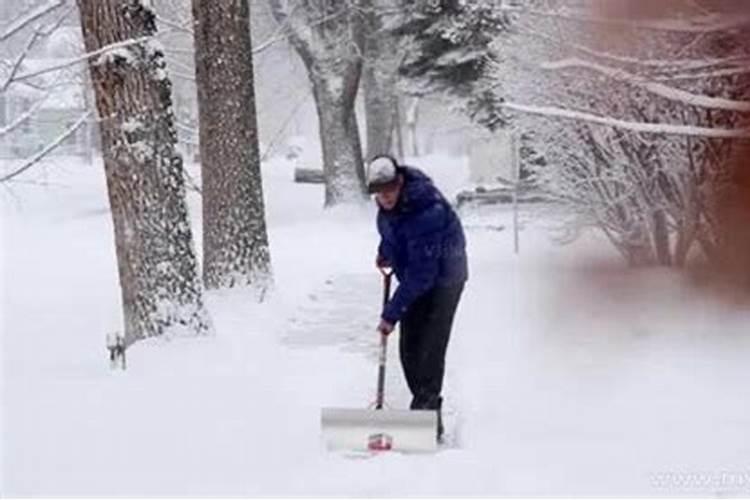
{"points": [[423, 262], [385, 257]]}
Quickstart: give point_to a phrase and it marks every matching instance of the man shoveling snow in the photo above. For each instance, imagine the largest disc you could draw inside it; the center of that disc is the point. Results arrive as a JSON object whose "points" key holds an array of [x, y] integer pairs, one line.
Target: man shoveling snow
{"points": [[423, 242]]}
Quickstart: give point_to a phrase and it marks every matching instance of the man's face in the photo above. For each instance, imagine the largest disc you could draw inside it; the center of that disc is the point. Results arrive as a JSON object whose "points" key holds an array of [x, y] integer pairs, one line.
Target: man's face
{"points": [[387, 197]]}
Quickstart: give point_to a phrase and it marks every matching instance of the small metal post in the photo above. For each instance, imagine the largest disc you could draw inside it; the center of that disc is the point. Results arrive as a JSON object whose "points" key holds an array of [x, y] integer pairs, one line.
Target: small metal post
{"points": [[116, 347], [121, 347]]}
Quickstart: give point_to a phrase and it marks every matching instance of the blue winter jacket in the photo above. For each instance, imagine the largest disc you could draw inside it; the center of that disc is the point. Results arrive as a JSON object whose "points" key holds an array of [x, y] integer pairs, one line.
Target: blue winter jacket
{"points": [[422, 239]]}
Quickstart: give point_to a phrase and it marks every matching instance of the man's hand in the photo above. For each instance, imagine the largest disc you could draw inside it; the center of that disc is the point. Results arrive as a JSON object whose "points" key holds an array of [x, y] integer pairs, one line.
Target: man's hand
{"points": [[384, 327], [381, 262]]}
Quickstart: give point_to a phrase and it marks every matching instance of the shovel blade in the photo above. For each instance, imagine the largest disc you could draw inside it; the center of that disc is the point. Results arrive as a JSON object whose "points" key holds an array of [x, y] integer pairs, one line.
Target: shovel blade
{"points": [[410, 431]]}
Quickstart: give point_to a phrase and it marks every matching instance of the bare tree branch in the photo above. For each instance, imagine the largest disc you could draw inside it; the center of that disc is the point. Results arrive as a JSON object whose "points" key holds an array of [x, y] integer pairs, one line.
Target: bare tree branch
{"points": [[272, 143], [276, 37], [719, 73], [184, 76], [660, 89], [39, 33], [185, 28], [49, 148], [19, 61], [661, 64], [187, 128], [83, 58], [26, 19], [24, 117], [697, 24]]}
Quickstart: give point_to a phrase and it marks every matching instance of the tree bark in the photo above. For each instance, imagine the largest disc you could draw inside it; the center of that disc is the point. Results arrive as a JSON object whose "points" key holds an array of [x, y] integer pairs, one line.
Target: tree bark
{"points": [[397, 129], [661, 238], [380, 75], [339, 137], [412, 115], [235, 240], [161, 289]]}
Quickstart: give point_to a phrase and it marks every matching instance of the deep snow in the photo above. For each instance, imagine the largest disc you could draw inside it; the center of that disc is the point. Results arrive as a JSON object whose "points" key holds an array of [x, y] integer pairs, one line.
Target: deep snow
{"points": [[569, 374]]}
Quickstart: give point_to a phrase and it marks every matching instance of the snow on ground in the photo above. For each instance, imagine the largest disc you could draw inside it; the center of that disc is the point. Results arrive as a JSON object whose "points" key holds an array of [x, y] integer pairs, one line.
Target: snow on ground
{"points": [[567, 374]]}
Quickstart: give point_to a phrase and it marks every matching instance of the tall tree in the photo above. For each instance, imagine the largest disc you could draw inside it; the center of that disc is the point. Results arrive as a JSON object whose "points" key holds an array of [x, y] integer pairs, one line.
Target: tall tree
{"points": [[380, 76], [235, 243], [329, 37], [161, 289]]}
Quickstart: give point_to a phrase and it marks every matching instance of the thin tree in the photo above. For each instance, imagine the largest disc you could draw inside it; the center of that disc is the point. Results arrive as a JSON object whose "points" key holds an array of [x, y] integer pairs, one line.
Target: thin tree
{"points": [[161, 288], [235, 243]]}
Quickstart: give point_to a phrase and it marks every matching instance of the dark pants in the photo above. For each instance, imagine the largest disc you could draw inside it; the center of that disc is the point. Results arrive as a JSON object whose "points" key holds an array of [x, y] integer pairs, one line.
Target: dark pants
{"points": [[425, 330]]}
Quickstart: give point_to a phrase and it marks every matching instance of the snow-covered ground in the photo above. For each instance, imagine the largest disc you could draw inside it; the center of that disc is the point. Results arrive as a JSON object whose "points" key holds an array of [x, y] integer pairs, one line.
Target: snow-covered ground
{"points": [[567, 374]]}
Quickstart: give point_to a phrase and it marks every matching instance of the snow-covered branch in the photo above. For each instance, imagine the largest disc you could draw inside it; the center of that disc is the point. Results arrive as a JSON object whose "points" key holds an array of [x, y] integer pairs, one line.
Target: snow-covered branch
{"points": [[183, 76], [179, 50], [709, 23], [275, 38], [297, 23], [31, 16], [633, 134], [38, 34], [19, 61], [296, 29], [648, 128], [24, 117], [182, 27], [83, 58], [660, 89], [719, 73], [48, 149], [660, 64], [186, 128]]}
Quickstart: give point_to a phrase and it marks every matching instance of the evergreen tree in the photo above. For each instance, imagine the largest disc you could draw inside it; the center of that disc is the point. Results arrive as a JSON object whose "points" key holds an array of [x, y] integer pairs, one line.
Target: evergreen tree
{"points": [[451, 52]]}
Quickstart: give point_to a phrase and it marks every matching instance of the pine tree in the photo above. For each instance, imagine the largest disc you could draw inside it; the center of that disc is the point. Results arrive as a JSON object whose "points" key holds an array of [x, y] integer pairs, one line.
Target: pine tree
{"points": [[450, 52]]}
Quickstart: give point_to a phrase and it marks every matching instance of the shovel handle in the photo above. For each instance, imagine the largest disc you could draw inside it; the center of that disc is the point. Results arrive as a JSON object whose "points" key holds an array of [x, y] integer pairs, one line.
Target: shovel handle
{"points": [[381, 372], [387, 274]]}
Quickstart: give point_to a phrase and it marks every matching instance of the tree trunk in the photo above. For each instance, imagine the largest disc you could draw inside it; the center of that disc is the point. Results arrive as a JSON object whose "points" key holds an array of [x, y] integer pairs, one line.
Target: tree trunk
{"points": [[687, 232], [235, 242], [397, 122], [161, 289], [339, 137], [379, 115], [379, 81], [683, 244], [661, 239], [412, 115], [638, 248]]}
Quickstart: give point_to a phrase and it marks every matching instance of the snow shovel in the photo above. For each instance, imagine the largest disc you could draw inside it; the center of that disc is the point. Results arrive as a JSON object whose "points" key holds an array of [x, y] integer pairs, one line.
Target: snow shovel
{"points": [[379, 428]]}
